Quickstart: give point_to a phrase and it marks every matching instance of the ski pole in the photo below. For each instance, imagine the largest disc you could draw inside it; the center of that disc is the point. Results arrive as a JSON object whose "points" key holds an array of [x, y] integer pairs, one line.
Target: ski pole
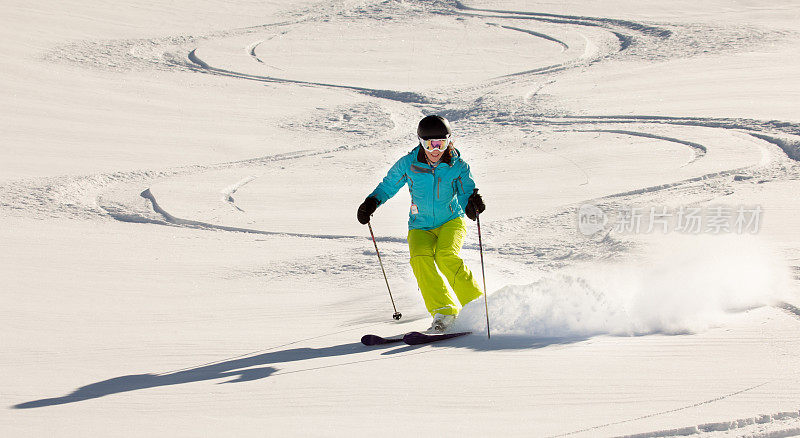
{"points": [[397, 315], [483, 273]]}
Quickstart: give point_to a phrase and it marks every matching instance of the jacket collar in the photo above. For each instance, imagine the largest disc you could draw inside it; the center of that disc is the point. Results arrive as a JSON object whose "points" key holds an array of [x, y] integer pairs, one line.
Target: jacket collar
{"points": [[447, 157]]}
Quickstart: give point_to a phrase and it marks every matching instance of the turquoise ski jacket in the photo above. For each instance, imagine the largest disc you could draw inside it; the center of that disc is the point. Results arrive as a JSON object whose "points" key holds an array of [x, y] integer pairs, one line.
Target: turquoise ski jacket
{"points": [[438, 194]]}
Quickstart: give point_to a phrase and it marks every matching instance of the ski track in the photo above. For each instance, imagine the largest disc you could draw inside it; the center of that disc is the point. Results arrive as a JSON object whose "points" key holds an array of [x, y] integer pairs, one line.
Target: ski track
{"points": [[740, 426], [582, 20], [252, 51], [230, 190], [544, 36], [698, 149], [399, 96], [84, 196], [552, 253], [789, 308], [147, 194], [682, 408]]}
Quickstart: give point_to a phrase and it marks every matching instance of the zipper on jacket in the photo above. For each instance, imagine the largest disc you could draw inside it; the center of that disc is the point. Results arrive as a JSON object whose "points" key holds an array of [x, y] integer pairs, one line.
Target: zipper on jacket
{"points": [[433, 200], [438, 181]]}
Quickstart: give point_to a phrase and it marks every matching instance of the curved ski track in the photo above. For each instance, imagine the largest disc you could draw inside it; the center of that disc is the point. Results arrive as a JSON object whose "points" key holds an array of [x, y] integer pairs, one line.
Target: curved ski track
{"points": [[698, 149], [682, 408], [700, 428], [59, 196]]}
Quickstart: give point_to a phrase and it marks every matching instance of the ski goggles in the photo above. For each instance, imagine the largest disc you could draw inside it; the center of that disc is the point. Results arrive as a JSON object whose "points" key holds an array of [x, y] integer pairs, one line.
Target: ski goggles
{"points": [[433, 144]]}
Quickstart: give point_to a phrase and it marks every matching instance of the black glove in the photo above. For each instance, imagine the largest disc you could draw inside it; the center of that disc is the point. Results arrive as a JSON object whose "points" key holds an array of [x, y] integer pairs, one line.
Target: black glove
{"points": [[475, 205], [366, 209]]}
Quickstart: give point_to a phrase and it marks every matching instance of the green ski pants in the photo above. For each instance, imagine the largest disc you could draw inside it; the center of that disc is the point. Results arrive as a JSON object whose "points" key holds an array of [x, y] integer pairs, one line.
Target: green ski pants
{"points": [[440, 248]]}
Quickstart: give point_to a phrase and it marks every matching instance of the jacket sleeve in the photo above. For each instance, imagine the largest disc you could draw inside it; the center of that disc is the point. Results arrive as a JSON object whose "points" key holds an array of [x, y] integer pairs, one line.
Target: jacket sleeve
{"points": [[465, 185], [394, 180]]}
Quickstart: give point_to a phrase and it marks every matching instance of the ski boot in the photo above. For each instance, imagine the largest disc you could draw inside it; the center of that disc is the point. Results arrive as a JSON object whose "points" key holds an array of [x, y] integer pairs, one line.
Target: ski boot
{"points": [[441, 323]]}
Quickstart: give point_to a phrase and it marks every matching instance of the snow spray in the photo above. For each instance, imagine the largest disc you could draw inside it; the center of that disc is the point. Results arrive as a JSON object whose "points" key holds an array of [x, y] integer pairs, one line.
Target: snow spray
{"points": [[678, 285]]}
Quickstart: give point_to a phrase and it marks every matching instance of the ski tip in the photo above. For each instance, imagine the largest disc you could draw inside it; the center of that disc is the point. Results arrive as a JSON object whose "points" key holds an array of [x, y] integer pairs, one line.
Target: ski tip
{"points": [[371, 340]]}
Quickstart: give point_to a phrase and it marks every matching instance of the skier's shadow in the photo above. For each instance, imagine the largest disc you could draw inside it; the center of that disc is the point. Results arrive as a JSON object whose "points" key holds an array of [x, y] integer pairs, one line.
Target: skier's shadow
{"points": [[480, 342], [240, 370]]}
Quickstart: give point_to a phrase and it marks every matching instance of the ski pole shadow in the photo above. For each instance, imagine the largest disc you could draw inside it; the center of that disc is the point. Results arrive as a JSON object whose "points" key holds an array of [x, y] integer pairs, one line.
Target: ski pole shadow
{"points": [[238, 370]]}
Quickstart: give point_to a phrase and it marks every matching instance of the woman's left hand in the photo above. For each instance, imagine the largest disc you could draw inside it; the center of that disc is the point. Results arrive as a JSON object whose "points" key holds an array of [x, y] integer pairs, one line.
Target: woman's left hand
{"points": [[475, 205]]}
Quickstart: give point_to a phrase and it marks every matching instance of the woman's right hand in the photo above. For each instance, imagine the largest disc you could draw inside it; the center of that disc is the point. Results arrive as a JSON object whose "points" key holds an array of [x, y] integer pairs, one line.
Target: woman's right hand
{"points": [[366, 209]]}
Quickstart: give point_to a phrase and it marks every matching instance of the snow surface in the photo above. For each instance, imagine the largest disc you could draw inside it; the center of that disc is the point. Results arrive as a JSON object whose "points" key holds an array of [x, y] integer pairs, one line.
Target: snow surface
{"points": [[181, 257]]}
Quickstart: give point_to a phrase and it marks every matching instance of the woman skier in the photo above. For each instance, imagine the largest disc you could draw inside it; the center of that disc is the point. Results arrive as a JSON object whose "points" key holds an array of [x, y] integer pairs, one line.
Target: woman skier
{"points": [[442, 191]]}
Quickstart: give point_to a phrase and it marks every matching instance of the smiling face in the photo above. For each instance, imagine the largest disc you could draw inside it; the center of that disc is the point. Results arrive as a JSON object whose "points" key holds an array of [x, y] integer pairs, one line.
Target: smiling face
{"points": [[435, 148], [434, 156]]}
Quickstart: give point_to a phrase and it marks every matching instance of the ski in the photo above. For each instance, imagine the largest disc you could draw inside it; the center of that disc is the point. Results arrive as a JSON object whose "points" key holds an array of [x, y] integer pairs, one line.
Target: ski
{"points": [[416, 338], [380, 340]]}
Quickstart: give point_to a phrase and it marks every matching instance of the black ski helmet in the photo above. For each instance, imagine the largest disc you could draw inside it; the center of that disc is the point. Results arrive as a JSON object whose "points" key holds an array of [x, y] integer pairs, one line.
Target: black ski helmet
{"points": [[433, 126]]}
